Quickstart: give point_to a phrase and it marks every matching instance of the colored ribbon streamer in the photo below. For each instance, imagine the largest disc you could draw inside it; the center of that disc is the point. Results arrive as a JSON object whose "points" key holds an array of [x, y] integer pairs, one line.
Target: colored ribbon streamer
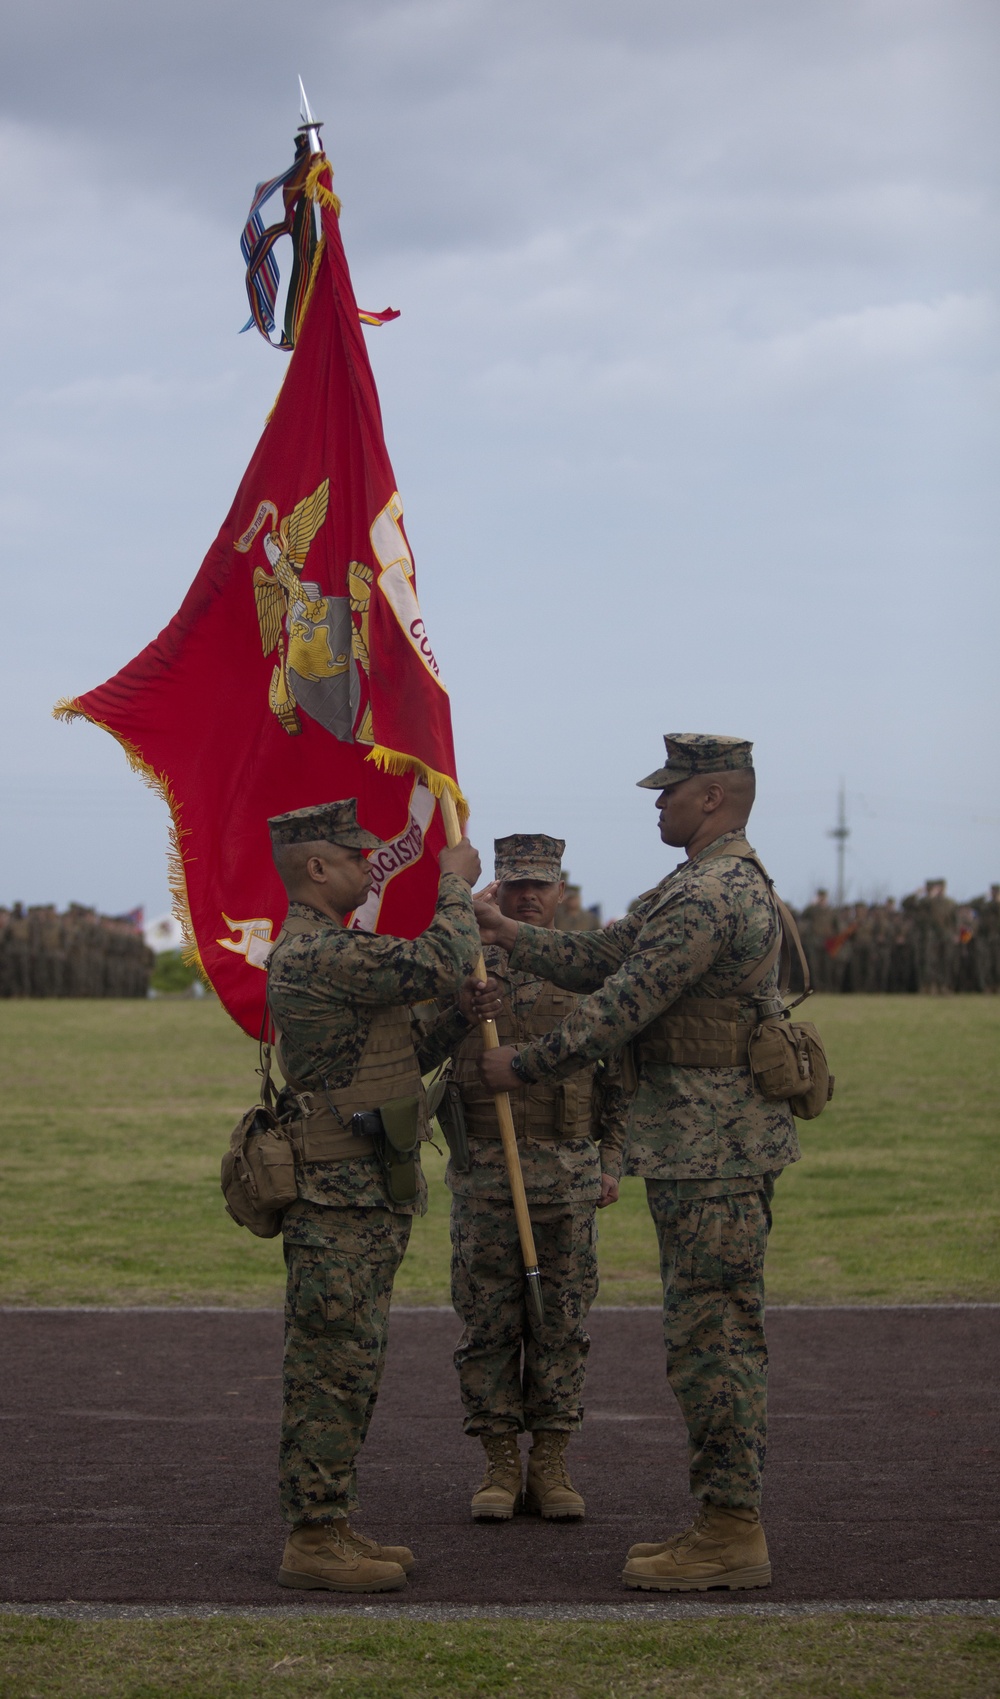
{"points": [[257, 245]]}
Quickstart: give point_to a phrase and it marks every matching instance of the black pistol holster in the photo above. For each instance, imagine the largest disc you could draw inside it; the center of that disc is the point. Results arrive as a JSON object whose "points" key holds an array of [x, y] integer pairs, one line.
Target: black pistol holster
{"points": [[394, 1129], [451, 1120]]}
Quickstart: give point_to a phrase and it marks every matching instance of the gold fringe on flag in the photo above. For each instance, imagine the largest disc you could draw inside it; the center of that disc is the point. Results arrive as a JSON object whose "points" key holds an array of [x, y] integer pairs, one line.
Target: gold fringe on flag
{"points": [[393, 761], [318, 191], [68, 708], [310, 286]]}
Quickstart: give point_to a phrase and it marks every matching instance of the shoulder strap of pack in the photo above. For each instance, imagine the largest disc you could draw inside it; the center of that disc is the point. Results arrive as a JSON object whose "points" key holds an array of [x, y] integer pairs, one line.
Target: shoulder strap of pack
{"points": [[268, 1038], [788, 933], [761, 970]]}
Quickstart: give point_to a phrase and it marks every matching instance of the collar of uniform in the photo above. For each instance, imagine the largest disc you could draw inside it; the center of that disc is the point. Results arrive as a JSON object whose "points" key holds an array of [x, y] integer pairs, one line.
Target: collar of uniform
{"points": [[739, 836], [496, 961], [305, 911]]}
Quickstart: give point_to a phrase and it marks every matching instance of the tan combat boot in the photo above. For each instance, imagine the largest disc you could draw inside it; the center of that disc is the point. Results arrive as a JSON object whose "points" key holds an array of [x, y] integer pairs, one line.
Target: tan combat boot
{"points": [[549, 1491], [327, 1555], [501, 1485], [724, 1547]]}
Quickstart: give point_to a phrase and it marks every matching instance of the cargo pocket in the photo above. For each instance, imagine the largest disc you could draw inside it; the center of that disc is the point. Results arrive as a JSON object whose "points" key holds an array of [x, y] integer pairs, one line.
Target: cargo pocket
{"points": [[720, 1239], [707, 1243], [742, 1257], [323, 1296]]}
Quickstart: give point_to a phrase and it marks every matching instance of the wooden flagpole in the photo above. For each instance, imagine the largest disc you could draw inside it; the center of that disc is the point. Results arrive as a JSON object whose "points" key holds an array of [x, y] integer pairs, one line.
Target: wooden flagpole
{"points": [[508, 1137]]}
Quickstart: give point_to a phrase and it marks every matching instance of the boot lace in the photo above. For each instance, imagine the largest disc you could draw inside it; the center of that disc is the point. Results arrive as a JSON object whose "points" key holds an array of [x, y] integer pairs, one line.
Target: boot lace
{"points": [[502, 1456], [549, 1457], [361, 1542]]}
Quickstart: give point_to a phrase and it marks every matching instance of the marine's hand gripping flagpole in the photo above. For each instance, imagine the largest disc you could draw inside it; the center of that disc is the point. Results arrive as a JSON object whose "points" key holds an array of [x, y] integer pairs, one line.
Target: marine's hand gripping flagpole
{"points": [[491, 1041]]}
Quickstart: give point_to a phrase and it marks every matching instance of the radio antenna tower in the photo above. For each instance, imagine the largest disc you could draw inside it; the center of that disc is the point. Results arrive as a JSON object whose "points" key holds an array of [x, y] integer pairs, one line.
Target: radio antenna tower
{"points": [[840, 833]]}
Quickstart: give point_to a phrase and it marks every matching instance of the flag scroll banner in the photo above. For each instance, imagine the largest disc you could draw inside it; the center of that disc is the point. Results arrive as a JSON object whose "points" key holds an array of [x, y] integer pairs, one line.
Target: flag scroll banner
{"points": [[298, 669]]}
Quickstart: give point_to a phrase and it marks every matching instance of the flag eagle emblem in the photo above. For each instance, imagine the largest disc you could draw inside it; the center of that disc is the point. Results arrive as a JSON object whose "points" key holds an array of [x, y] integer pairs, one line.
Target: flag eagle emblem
{"points": [[318, 644]]}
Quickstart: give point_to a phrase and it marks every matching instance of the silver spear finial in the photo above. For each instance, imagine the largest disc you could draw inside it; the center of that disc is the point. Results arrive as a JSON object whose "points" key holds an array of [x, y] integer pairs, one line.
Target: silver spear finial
{"points": [[309, 123]]}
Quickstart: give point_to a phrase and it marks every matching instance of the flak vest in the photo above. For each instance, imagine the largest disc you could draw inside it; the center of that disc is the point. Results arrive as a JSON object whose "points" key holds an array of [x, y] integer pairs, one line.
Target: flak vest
{"points": [[543, 1113], [714, 1032], [387, 1069]]}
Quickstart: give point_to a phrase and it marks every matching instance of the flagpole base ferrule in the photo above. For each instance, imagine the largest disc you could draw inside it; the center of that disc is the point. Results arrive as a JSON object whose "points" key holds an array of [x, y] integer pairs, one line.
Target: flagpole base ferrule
{"points": [[536, 1300]]}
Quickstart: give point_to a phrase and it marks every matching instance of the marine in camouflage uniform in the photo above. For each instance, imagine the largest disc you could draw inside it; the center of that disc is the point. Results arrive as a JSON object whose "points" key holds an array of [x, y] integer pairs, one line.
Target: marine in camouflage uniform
{"points": [[340, 1001], [569, 1137], [707, 1143], [571, 916], [936, 939], [818, 924], [986, 941]]}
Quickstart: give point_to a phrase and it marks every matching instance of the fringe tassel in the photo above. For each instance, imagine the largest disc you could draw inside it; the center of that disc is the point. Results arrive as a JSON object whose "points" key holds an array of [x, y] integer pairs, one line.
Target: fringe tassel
{"points": [[392, 761], [68, 708], [318, 191], [307, 297]]}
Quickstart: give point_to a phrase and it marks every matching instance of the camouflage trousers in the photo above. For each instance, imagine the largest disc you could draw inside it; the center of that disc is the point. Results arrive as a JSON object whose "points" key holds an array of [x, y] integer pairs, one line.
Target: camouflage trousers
{"points": [[336, 1320], [512, 1373], [712, 1237]]}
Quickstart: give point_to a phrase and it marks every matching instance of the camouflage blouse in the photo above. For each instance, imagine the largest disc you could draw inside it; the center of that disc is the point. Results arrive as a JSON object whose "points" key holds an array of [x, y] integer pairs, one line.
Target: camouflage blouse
{"points": [[568, 1172], [701, 929], [323, 988]]}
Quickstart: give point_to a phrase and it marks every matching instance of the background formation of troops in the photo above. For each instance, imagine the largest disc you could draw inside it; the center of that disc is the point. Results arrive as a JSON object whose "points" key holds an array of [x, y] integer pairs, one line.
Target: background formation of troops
{"points": [[926, 943], [77, 954]]}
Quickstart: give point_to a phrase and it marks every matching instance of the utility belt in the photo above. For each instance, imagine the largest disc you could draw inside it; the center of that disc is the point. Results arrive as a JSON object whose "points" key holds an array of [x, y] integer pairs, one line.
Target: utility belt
{"points": [[785, 1057], [391, 1132], [558, 1120], [291, 1128], [480, 1135], [270, 1144], [698, 1032], [460, 1137], [316, 1133]]}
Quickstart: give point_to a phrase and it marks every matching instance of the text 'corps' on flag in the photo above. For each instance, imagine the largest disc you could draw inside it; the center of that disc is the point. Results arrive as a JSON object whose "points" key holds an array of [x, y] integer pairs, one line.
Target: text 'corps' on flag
{"points": [[298, 669]]}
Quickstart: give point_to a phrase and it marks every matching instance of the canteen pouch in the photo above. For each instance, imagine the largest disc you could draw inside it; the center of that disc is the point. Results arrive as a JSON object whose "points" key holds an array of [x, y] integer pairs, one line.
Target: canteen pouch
{"points": [[451, 1120], [258, 1173], [789, 1064], [396, 1147]]}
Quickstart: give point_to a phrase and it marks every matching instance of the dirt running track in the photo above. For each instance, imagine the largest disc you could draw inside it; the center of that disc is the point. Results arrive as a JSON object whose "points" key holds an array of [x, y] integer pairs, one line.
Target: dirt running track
{"points": [[139, 1447]]}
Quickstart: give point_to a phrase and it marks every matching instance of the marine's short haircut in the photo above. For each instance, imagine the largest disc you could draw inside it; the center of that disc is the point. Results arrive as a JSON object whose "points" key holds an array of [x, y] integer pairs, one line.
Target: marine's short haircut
{"points": [[290, 859], [741, 785]]}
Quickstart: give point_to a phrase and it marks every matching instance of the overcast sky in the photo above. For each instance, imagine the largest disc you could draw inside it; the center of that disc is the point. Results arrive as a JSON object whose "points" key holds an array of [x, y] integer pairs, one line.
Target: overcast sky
{"points": [[692, 403]]}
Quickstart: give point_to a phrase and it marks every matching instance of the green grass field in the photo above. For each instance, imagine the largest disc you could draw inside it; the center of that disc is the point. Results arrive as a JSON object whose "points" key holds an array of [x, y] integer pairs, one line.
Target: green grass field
{"points": [[824, 1657], [117, 1113]]}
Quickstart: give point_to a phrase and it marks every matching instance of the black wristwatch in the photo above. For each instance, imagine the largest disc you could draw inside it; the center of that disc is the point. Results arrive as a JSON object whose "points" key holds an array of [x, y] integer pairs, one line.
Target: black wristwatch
{"points": [[518, 1068]]}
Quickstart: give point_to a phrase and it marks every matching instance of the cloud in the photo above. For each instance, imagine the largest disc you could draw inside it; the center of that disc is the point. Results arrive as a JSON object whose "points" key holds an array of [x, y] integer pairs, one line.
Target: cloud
{"points": [[127, 391], [899, 334], [698, 342]]}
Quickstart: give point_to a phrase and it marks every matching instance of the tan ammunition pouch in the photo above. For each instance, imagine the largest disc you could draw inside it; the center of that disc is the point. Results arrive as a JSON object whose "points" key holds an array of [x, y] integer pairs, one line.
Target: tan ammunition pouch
{"points": [[258, 1172], [787, 1060], [543, 1113], [785, 1057]]}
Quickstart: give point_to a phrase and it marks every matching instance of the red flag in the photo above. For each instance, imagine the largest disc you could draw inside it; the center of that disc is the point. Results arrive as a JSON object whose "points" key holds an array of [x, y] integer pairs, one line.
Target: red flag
{"points": [[298, 669]]}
